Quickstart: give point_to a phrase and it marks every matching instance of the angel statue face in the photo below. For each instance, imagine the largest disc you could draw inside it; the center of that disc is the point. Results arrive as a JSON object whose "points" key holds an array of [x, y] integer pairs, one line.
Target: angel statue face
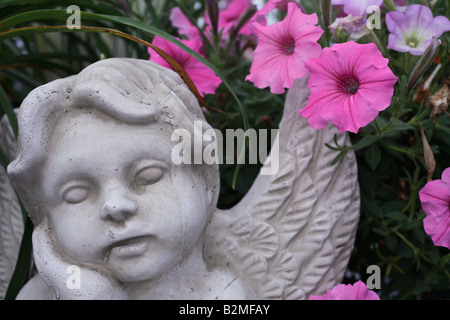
{"points": [[95, 164], [116, 201]]}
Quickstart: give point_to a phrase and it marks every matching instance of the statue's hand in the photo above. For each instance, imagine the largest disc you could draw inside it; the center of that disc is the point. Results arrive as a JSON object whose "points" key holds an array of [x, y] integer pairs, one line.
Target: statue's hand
{"points": [[66, 280]]}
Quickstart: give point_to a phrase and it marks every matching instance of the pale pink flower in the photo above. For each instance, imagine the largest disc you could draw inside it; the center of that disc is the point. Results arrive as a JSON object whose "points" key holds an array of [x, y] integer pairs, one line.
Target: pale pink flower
{"points": [[283, 48], [435, 200], [350, 84], [349, 24], [229, 18], [413, 30], [357, 7], [268, 7], [400, 5], [357, 291], [203, 77], [182, 23]]}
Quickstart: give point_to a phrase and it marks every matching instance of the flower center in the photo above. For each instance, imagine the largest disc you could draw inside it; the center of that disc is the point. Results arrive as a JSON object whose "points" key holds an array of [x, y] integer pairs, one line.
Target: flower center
{"points": [[353, 88], [412, 43], [290, 47], [349, 84]]}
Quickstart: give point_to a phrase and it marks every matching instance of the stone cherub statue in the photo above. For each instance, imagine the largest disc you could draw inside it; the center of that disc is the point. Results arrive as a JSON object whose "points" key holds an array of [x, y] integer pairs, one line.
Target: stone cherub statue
{"points": [[93, 169]]}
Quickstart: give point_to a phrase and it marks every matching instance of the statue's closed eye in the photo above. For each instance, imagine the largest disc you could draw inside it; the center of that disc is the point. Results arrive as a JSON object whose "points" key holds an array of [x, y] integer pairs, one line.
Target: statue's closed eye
{"points": [[147, 176], [75, 193]]}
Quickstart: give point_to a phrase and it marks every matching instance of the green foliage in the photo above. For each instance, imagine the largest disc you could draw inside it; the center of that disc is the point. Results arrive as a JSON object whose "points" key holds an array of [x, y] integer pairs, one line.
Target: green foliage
{"points": [[392, 170], [389, 151]]}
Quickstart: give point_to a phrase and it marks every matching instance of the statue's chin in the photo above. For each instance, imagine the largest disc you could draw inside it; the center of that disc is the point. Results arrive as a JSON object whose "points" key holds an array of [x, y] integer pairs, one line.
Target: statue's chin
{"points": [[134, 266]]}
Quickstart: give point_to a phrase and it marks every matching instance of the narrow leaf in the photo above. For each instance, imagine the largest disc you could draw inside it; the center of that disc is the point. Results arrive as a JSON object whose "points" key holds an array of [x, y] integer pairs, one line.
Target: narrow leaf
{"points": [[8, 109], [365, 142], [22, 270], [373, 156]]}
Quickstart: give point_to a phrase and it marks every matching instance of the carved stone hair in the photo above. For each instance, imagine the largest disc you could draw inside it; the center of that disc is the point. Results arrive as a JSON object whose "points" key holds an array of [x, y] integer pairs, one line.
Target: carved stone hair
{"points": [[137, 92]]}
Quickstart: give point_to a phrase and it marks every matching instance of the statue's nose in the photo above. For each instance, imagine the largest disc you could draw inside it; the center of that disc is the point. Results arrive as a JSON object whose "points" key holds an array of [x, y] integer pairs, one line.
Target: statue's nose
{"points": [[118, 207]]}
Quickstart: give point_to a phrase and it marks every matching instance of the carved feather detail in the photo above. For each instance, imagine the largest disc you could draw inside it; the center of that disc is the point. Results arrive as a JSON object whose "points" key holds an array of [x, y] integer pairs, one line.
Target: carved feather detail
{"points": [[11, 222], [292, 234]]}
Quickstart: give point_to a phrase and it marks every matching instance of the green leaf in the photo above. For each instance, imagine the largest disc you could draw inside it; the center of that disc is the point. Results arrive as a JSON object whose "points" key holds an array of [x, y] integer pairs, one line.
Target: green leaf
{"points": [[396, 205], [391, 242], [381, 231], [365, 142], [374, 209], [339, 157], [421, 286], [398, 125], [434, 256], [333, 148], [8, 109], [373, 156], [396, 215]]}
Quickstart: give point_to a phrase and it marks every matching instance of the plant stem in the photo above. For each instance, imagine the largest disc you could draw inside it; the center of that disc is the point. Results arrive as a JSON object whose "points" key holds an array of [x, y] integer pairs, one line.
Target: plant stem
{"points": [[377, 126], [390, 5], [373, 36], [406, 241], [413, 201], [408, 59], [407, 152]]}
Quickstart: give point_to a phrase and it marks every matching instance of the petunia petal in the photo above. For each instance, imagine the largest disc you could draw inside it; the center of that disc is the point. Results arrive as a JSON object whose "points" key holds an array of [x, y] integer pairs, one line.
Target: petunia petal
{"points": [[282, 50], [413, 29], [182, 23], [446, 176], [439, 25], [357, 7], [350, 83], [438, 230], [357, 291], [203, 77], [435, 201]]}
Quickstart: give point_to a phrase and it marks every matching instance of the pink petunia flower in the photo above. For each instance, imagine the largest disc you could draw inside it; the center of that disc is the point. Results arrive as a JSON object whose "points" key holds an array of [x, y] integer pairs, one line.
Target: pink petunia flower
{"points": [[229, 18], [357, 7], [357, 291], [283, 48], [350, 84], [435, 200], [400, 5], [182, 23], [268, 7], [203, 77], [412, 30]]}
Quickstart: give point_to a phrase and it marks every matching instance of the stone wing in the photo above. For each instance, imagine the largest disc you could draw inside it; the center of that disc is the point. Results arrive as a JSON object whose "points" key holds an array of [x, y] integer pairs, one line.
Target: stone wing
{"points": [[292, 234], [11, 221]]}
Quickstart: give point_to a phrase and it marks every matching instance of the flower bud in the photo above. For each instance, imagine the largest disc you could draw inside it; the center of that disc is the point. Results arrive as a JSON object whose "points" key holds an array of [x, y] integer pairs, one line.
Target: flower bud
{"points": [[430, 161], [341, 35], [213, 12], [326, 12], [423, 64]]}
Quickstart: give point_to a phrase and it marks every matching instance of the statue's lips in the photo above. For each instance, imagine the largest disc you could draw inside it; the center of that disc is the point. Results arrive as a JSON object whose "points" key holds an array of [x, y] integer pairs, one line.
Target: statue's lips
{"points": [[130, 247]]}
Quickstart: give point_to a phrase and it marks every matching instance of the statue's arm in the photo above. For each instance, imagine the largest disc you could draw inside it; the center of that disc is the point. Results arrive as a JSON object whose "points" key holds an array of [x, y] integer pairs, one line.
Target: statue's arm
{"points": [[53, 269]]}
